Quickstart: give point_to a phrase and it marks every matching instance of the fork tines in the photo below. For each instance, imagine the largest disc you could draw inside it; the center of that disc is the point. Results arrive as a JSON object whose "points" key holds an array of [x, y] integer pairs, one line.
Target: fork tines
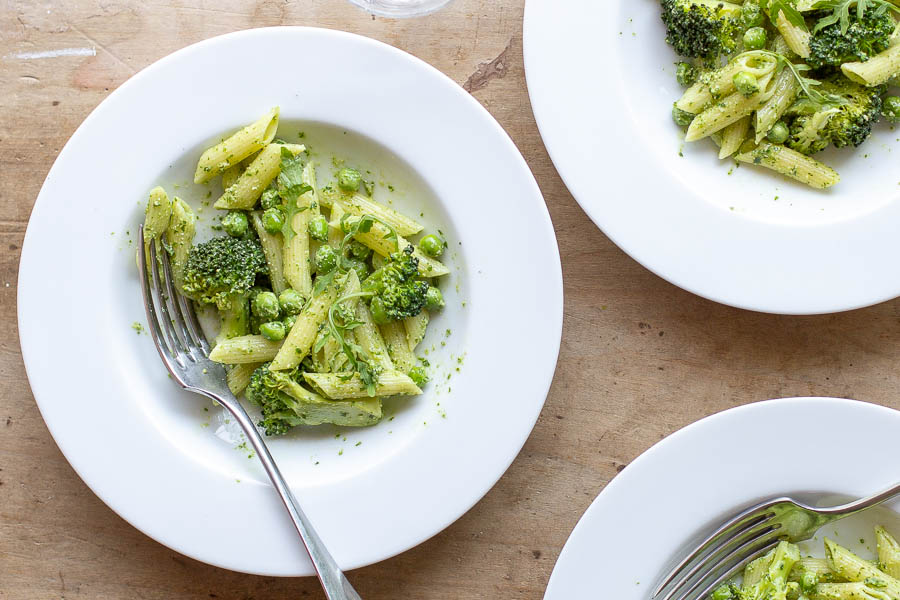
{"points": [[721, 555], [171, 320]]}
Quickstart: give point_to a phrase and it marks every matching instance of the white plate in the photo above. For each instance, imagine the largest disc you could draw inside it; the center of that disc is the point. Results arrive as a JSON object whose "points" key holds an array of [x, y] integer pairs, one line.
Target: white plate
{"points": [[601, 82], [140, 443], [816, 448]]}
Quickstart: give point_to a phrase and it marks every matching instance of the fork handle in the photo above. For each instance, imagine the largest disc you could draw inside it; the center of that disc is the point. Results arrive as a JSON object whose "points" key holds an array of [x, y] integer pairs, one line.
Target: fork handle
{"points": [[845, 510], [333, 580]]}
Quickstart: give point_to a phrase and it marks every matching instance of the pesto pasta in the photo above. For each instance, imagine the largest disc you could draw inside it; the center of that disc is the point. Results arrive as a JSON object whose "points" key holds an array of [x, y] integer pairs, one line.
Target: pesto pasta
{"points": [[321, 296], [841, 575], [773, 82]]}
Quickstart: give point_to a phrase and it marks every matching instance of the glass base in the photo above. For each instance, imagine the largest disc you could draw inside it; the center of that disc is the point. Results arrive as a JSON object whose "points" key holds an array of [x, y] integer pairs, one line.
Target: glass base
{"points": [[400, 9]]}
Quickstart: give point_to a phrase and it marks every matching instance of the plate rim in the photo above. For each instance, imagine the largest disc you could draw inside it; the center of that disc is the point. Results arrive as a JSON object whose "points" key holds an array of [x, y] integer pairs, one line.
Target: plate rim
{"points": [[554, 280], [661, 447], [785, 296]]}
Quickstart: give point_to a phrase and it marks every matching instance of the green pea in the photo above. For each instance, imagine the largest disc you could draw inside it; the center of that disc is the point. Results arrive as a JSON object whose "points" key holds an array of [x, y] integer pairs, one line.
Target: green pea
{"points": [[349, 179], [361, 268], [752, 15], [685, 73], [379, 314], [779, 133], [318, 228], [289, 322], [265, 305], [326, 259], [346, 225], [269, 199], [235, 223], [418, 375], [431, 245], [434, 299], [273, 330], [745, 83], [359, 250], [891, 109], [291, 301], [273, 220], [681, 118], [755, 38], [723, 592]]}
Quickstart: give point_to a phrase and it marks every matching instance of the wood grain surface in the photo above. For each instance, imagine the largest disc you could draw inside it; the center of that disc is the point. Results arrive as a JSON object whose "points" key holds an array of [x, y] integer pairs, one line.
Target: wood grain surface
{"points": [[639, 359]]}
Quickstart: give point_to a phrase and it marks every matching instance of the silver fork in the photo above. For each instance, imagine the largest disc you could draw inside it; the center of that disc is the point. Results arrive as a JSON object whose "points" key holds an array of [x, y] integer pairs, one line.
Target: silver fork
{"points": [[748, 536], [185, 353]]}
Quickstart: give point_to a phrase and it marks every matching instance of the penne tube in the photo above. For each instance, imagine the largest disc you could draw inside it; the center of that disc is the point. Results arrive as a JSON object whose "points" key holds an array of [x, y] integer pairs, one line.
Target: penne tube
{"points": [[244, 349], [237, 147], [248, 187], [791, 163], [341, 386]]}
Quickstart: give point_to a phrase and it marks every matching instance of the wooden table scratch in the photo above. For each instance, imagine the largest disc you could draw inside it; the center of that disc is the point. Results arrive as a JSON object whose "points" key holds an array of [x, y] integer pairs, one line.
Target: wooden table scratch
{"points": [[640, 358]]}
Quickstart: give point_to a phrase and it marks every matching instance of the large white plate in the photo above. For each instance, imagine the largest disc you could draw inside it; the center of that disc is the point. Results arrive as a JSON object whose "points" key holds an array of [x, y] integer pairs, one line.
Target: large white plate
{"points": [[141, 444], [821, 449], [601, 81]]}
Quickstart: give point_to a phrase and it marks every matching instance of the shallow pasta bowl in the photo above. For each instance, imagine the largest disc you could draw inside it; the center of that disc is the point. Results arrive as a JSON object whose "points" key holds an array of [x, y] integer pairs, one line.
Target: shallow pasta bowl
{"points": [[601, 79], [817, 450], [171, 465]]}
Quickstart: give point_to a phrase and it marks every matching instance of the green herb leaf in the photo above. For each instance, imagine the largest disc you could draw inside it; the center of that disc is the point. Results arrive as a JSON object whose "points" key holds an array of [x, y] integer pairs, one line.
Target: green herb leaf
{"points": [[806, 83], [290, 188], [794, 17], [840, 11]]}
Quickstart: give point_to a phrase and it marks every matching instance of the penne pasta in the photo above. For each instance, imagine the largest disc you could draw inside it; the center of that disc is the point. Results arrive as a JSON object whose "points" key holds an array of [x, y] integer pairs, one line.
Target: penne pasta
{"points": [[180, 236], [415, 329], [804, 169], [727, 111], [720, 83], [360, 205], [230, 175], [238, 377], [888, 552], [237, 147], [379, 241], [244, 349], [300, 339], [796, 38], [879, 69], [271, 245], [340, 386], [394, 335], [245, 191], [369, 338], [733, 136], [784, 91]]}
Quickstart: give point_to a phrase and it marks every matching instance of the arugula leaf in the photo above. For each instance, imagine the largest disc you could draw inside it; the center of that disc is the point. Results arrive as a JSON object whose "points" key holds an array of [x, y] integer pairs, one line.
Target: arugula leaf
{"points": [[794, 17], [806, 83], [356, 357], [323, 281], [840, 11], [290, 188]]}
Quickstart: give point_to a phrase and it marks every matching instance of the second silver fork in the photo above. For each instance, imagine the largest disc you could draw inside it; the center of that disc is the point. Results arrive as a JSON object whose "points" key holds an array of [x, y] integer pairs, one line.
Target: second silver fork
{"points": [[749, 535]]}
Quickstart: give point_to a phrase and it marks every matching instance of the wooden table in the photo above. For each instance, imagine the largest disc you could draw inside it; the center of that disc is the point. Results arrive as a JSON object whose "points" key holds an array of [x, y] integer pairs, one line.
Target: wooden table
{"points": [[640, 358]]}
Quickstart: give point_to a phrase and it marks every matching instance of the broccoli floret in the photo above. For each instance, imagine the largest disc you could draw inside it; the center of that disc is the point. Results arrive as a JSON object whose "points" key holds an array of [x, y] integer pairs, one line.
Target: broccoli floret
{"points": [[852, 125], [814, 127], [265, 390], [398, 294], [701, 28], [222, 269], [864, 38]]}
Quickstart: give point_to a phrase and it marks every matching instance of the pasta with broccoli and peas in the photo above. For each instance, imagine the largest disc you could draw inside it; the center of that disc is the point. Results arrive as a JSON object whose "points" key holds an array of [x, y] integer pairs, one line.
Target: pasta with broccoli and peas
{"points": [[773, 82], [783, 574], [321, 297]]}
